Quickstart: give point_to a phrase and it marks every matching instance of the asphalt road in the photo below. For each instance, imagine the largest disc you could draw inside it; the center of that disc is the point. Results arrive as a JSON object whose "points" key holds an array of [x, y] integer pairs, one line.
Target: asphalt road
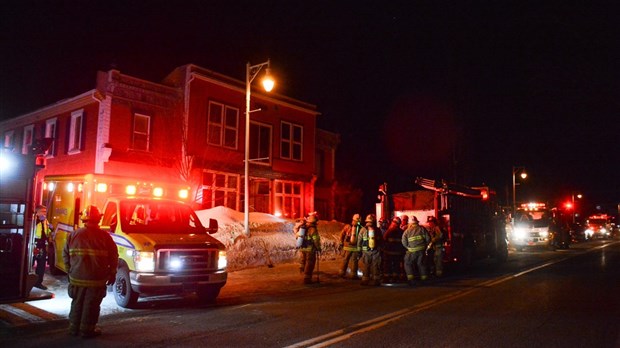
{"points": [[538, 298]]}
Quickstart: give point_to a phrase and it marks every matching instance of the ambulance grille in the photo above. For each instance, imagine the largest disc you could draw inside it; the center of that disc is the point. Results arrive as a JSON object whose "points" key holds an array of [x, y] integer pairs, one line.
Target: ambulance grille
{"points": [[186, 260]]}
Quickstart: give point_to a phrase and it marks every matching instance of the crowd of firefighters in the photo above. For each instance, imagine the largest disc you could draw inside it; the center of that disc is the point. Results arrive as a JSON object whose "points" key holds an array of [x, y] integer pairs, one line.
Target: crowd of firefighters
{"points": [[390, 251]]}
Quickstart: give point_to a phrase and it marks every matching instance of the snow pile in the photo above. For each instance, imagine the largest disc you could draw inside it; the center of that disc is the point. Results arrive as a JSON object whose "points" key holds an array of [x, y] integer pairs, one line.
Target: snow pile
{"points": [[271, 240]]}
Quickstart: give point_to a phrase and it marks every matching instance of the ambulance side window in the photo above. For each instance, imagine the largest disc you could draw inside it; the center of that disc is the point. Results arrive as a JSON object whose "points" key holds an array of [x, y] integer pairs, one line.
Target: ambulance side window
{"points": [[109, 217]]}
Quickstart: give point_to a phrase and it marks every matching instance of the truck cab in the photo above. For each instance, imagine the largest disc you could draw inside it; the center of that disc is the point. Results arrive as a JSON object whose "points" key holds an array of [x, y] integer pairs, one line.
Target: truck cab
{"points": [[532, 227]]}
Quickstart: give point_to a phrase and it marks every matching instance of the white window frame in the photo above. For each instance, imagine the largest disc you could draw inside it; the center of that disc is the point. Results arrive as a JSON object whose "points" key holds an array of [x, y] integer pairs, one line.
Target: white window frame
{"points": [[9, 139], [51, 127], [223, 127], [27, 139], [75, 132], [284, 195], [290, 143], [226, 189], [135, 133]]}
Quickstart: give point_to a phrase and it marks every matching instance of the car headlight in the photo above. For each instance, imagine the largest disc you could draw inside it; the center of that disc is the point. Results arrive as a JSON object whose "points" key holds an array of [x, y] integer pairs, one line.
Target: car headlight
{"points": [[144, 260], [544, 234], [519, 233], [589, 232], [222, 262]]}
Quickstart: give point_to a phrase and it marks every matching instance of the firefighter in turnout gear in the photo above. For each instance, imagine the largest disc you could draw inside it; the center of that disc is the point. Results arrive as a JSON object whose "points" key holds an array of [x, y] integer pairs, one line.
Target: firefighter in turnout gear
{"points": [[393, 252], [348, 243], [415, 240], [370, 243], [436, 247], [92, 257], [310, 246], [41, 234]]}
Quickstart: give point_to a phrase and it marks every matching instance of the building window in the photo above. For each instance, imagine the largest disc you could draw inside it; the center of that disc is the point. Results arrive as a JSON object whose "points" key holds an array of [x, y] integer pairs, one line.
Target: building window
{"points": [[50, 133], [9, 140], [223, 125], [27, 140], [220, 189], [141, 132], [288, 198], [75, 132], [260, 143], [291, 141]]}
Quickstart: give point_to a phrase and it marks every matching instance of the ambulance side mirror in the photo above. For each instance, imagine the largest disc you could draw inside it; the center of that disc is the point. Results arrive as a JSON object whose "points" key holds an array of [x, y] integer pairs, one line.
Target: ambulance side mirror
{"points": [[213, 226]]}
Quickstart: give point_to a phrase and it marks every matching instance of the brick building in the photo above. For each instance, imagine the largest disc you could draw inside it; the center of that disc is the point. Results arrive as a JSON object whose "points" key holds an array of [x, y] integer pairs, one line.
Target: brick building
{"points": [[190, 127]]}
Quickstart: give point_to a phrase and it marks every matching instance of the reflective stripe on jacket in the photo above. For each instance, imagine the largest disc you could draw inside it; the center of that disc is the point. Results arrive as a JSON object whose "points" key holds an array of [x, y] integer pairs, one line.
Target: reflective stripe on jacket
{"points": [[312, 240], [415, 238]]}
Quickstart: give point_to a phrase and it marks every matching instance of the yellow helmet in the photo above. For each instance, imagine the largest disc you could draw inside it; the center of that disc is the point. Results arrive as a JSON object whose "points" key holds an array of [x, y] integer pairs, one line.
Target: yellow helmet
{"points": [[371, 218], [91, 213]]}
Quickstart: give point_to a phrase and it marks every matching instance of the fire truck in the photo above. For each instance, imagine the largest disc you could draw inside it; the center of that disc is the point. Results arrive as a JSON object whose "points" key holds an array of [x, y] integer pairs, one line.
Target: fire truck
{"points": [[599, 226], [17, 177], [470, 217], [163, 246]]}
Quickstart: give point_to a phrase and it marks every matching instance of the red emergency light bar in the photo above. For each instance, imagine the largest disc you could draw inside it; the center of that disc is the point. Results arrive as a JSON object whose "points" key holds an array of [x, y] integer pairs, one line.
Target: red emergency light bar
{"points": [[533, 206]]}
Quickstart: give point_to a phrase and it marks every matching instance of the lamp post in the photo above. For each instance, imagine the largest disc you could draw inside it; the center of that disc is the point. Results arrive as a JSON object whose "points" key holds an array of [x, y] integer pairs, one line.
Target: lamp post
{"points": [[573, 201], [523, 175], [250, 73]]}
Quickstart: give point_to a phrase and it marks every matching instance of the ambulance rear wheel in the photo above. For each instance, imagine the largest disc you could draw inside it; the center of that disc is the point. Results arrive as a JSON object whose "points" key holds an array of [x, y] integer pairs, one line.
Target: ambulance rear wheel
{"points": [[124, 296]]}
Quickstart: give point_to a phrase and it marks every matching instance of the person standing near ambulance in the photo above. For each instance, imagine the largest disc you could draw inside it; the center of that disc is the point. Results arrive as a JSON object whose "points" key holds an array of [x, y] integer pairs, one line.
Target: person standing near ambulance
{"points": [[91, 257], [415, 240], [41, 234], [348, 243], [436, 245]]}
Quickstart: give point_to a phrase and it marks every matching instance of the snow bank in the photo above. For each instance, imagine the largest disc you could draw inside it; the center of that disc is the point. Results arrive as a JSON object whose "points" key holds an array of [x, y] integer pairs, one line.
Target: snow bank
{"points": [[271, 238]]}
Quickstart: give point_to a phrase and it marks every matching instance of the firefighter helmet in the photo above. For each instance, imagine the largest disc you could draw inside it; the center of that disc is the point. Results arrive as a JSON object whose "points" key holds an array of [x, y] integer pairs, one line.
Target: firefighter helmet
{"points": [[357, 218], [91, 213], [396, 220], [415, 220], [431, 219], [405, 219], [371, 218], [312, 218]]}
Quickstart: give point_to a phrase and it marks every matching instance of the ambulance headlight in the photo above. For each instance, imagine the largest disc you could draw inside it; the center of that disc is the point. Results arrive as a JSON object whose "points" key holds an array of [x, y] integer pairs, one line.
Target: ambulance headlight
{"points": [[589, 232], [544, 234], [175, 264], [222, 262], [144, 260]]}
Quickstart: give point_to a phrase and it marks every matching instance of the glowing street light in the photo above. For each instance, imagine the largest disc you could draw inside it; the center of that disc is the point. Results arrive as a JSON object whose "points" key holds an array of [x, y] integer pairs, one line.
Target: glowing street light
{"points": [[573, 203], [523, 175], [268, 83]]}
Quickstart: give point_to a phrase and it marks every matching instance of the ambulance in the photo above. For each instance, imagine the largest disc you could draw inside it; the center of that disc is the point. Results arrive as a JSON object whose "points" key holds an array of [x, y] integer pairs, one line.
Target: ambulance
{"points": [[162, 245]]}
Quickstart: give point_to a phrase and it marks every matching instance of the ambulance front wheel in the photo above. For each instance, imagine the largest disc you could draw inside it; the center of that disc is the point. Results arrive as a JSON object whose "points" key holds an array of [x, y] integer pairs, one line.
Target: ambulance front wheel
{"points": [[123, 294]]}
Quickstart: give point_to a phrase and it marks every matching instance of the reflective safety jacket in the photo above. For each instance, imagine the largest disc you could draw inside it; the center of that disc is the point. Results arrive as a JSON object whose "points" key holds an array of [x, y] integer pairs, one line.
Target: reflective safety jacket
{"points": [[415, 238], [91, 256], [312, 240], [349, 235], [41, 233], [364, 239]]}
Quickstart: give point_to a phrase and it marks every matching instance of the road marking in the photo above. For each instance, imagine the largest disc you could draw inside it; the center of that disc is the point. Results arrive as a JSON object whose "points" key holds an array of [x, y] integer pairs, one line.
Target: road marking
{"points": [[375, 323]]}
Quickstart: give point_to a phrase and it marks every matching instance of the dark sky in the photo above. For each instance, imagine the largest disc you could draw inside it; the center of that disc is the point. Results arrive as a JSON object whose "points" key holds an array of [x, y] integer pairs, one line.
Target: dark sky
{"points": [[461, 90]]}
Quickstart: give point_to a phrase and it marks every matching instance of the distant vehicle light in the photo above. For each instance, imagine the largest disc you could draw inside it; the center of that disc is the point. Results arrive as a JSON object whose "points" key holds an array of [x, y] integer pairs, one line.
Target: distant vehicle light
{"points": [[144, 260], [519, 233], [51, 186], [222, 262]]}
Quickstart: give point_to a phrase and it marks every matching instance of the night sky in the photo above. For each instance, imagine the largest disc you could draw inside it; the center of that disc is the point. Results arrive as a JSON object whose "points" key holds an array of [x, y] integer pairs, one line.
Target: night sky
{"points": [[462, 90]]}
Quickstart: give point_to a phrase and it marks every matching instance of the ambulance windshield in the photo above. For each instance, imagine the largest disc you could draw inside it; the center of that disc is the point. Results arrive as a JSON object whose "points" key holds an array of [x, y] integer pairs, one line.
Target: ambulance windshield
{"points": [[153, 216]]}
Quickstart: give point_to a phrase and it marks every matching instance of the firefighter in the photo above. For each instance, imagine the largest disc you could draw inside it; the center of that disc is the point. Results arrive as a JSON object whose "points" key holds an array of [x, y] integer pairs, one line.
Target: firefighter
{"points": [[415, 240], [436, 246], [370, 243], [348, 243], [41, 234], [310, 247], [393, 251], [91, 257], [404, 222]]}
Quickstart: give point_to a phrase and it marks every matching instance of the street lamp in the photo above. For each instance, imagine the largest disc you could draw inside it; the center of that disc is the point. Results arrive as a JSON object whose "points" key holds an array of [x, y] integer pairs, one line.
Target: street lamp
{"points": [[573, 200], [523, 175], [250, 73]]}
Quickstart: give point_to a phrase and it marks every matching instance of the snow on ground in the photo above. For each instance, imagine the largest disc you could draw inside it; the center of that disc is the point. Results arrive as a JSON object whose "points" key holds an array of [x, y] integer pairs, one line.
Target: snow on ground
{"points": [[271, 240]]}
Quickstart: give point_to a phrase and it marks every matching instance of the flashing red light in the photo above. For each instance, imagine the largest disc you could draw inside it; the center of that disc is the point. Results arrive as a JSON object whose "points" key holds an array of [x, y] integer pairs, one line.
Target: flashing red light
{"points": [[568, 205]]}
